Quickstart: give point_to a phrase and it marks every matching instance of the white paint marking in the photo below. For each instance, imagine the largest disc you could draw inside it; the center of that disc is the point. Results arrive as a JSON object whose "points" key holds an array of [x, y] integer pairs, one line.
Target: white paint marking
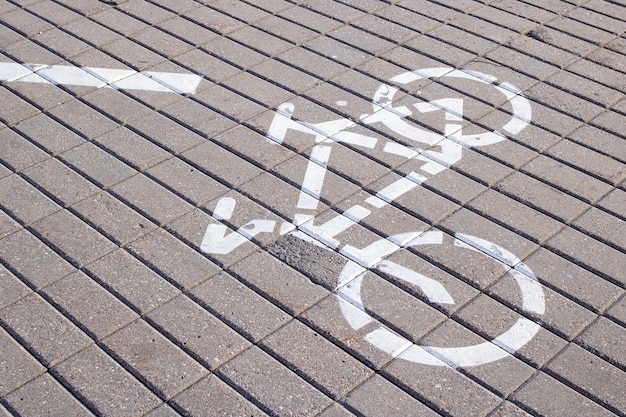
{"points": [[65, 75], [326, 232], [400, 150], [376, 202], [517, 336], [533, 299], [355, 317], [489, 248], [371, 254], [217, 241], [224, 208], [357, 213], [432, 289], [388, 342], [396, 189], [314, 177], [101, 77]]}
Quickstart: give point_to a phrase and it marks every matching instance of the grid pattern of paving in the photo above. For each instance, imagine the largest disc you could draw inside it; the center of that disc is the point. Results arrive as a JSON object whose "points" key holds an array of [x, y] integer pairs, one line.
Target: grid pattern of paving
{"points": [[109, 306]]}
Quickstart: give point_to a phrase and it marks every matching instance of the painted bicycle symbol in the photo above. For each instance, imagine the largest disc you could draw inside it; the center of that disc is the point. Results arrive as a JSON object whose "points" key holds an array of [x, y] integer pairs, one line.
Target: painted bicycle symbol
{"points": [[435, 152]]}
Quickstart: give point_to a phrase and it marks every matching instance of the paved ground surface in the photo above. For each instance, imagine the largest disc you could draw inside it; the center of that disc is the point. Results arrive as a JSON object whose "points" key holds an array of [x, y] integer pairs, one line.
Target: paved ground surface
{"points": [[150, 262]]}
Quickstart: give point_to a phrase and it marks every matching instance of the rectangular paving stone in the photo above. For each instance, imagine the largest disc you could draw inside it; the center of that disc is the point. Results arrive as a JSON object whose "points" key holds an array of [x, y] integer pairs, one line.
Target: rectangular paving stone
{"points": [[271, 385], [97, 165], [317, 360], [603, 259], [187, 181], [589, 373], [544, 395], [17, 152], [131, 281], [253, 146], [92, 307], [32, 260], [23, 201], [82, 119], [231, 104], [288, 288], [600, 140], [597, 339], [514, 215], [14, 109], [257, 89], [233, 52], [167, 133], [154, 359], [103, 385], [62, 43], [618, 311], [211, 397], [17, 365], [132, 148], [48, 133], [79, 243], [173, 259], [197, 332], [133, 54], [337, 51], [604, 227], [43, 330], [198, 117], [119, 107], [161, 42], [113, 218], [541, 196], [566, 178], [259, 40], [378, 396], [442, 388], [60, 182], [593, 163], [239, 306], [11, 288], [221, 164], [575, 282], [187, 30], [212, 68], [45, 396], [150, 199]]}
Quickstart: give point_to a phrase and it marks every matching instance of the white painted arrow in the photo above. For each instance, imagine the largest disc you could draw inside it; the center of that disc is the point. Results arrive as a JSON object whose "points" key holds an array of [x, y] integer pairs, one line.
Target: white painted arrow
{"points": [[122, 79]]}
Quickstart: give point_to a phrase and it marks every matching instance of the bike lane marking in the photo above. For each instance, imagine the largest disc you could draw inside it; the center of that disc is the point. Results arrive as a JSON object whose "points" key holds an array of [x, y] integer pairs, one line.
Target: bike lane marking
{"points": [[121, 79]]}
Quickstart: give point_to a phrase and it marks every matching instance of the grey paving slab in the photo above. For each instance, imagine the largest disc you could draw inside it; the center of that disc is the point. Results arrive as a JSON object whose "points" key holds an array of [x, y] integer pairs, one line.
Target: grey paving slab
{"points": [[23, 201], [127, 278], [49, 134], [241, 308], [251, 372], [45, 396], [32, 260], [224, 400], [48, 335], [104, 385], [153, 359], [18, 153], [323, 364], [12, 288], [204, 337], [18, 366], [95, 310]]}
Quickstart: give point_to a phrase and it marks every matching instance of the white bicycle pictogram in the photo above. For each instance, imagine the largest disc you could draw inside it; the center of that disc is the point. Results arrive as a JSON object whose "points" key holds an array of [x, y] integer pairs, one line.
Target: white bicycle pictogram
{"points": [[362, 260]]}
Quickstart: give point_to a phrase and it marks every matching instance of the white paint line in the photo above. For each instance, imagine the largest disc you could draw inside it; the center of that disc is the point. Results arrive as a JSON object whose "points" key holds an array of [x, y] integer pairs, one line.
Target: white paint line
{"points": [[376, 202], [388, 342], [314, 177], [517, 336], [11, 71], [349, 272], [65, 75], [417, 354], [533, 298], [433, 237], [356, 318], [371, 254], [100, 77], [357, 213], [432, 289], [469, 355], [254, 227], [224, 208], [326, 232], [400, 150], [351, 292], [489, 248], [217, 240], [403, 239], [396, 189]]}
